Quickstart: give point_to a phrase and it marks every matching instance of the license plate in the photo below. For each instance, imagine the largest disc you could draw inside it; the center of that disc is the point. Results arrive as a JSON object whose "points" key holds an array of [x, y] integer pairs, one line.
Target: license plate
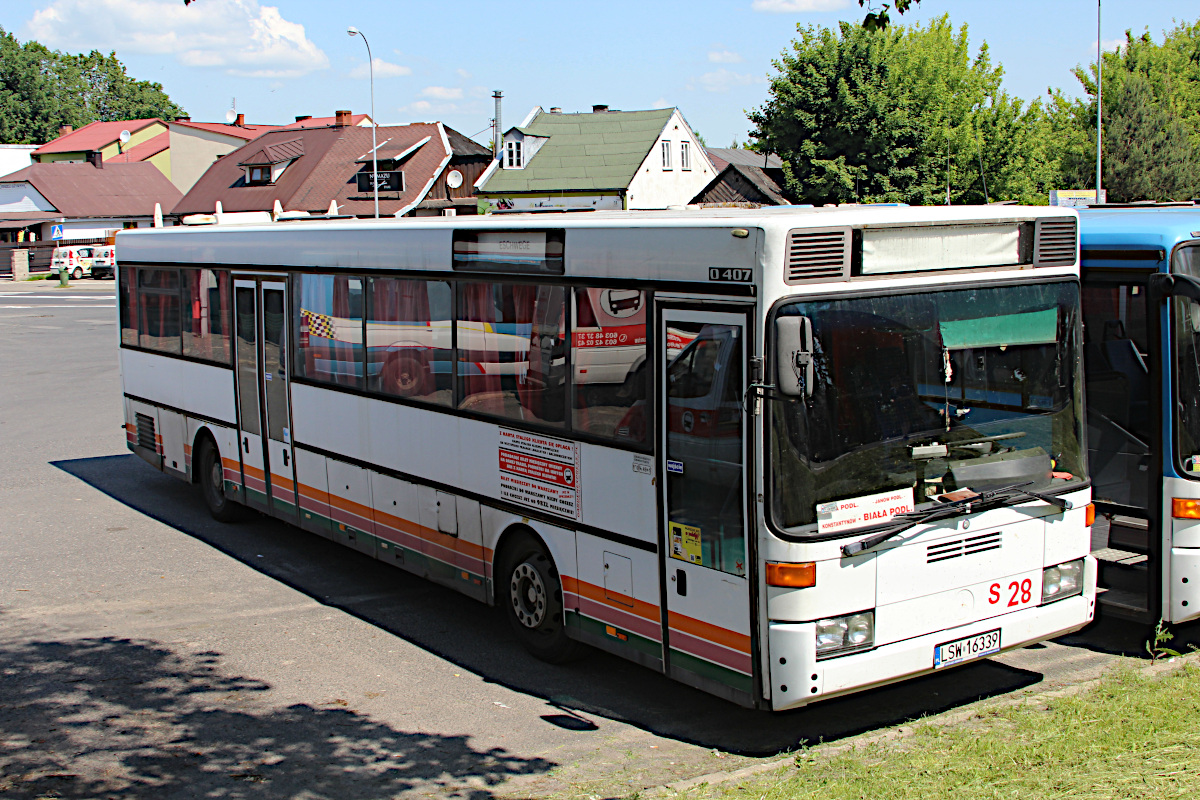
{"points": [[960, 650]]}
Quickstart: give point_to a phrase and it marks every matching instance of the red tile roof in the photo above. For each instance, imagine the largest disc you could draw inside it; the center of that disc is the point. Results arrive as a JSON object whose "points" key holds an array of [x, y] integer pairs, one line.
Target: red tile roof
{"points": [[246, 132], [116, 190], [143, 151], [326, 171], [93, 136], [321, 122]]}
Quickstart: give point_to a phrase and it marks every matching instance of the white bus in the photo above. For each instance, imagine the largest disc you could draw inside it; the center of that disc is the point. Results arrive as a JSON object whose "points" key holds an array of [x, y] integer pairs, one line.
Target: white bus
{"points": [[779, 455]]}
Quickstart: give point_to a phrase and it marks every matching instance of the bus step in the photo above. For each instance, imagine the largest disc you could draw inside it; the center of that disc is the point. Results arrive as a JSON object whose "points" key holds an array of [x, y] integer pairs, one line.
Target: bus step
{"points": [[1115, 556], [1123, 603]]}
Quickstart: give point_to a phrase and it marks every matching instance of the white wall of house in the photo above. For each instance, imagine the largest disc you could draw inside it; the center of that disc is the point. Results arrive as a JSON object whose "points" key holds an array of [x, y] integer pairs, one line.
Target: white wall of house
{"points": [[655, 186], [194, 150], [14, 157], [20, 196]]}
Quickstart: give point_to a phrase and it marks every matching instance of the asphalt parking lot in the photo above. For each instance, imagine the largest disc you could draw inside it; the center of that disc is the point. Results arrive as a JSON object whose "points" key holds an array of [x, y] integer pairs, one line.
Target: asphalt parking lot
{"points": [[146, 650]]}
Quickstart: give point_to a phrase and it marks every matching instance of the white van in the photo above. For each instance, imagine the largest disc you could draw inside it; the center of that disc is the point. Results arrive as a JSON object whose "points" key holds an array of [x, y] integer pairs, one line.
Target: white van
{"points": [[75, 260], [104, 262]]}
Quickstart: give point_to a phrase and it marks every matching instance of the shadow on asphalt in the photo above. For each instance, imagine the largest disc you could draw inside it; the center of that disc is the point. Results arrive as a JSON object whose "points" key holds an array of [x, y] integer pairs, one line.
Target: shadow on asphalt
{"points": [[476, 637], [109, 717]]}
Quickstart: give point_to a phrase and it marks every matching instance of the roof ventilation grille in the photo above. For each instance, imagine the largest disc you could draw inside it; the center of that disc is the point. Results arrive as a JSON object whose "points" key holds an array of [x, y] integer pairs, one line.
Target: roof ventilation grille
{"points": [[1055, 241], [820, 255]]}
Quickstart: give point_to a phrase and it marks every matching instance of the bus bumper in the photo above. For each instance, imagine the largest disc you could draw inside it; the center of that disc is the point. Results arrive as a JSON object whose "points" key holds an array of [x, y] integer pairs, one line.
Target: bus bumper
{"points": [[797, 678]]}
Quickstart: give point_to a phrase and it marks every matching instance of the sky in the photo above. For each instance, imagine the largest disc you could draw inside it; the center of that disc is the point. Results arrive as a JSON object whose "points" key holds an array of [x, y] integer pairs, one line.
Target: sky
{"points": [[442, 60]]}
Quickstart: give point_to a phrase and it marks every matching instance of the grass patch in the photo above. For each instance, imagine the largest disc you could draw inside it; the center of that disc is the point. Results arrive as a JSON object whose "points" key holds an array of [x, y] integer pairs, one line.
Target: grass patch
{"points": [[1131, 736]]}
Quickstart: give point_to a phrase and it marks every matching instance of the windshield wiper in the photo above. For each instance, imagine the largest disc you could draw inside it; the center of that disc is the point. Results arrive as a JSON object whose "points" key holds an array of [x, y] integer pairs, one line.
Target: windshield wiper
{"points": [[952, 508]]}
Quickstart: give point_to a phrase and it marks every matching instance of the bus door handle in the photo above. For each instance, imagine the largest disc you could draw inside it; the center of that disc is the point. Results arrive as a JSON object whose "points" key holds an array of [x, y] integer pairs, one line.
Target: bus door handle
{"points": [[285, 458], [246, 443], [680, 581]]}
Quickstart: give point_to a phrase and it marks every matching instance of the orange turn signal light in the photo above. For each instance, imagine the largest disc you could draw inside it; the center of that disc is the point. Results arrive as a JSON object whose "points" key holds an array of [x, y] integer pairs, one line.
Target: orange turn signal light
{"points": [[1185, 508], [793, 576], [1090, 515]]}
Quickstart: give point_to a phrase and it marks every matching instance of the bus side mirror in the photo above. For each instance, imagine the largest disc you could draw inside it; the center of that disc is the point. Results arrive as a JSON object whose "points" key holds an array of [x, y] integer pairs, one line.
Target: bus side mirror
{"points": [[794, 355]]}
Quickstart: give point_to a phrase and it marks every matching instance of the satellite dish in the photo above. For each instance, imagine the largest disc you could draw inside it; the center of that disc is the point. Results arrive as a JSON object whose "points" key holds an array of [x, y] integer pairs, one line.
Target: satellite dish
{"points": [[454, 179], [230, 116], [124, 137]]}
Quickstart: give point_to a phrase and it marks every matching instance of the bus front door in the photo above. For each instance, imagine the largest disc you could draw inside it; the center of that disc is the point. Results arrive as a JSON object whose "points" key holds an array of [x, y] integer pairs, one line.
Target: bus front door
{"points": [[268, 468], [706, 558]]}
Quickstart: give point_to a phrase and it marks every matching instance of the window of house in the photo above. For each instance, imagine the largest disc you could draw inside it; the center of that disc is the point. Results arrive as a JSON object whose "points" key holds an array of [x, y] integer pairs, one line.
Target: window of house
{"points": [[513, 149], [330, 342], [512, 350], [206, 319], [409, 339], [685, 155], [666, 154], [258, 176]]}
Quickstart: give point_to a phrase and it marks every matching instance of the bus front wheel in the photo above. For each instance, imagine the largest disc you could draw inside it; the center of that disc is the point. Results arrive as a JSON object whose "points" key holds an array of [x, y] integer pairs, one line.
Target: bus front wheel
{"points": [[532, 597], [212, 483]]}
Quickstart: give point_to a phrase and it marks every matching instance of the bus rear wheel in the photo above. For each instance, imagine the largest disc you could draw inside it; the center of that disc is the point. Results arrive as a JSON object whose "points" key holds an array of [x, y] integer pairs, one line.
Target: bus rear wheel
{"points": [[212, 483], [531, 594]]}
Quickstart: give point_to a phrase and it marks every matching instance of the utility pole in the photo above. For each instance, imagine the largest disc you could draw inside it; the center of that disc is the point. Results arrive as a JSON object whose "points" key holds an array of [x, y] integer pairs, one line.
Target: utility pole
{"points": [[1099, 98]]}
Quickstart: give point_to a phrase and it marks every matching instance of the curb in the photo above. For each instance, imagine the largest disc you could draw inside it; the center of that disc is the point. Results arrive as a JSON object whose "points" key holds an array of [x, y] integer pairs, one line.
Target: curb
{"points": [[903, 731]]}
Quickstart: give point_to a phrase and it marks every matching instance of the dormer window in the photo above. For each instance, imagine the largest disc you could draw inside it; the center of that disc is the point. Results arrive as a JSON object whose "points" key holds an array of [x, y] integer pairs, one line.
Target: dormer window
{"points": [[512, 155], [258, 176]]}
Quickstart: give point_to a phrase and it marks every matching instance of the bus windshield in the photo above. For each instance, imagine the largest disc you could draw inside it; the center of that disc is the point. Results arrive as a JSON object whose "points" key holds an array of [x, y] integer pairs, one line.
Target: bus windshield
{"points": [[1185, 336], [926, 393]]}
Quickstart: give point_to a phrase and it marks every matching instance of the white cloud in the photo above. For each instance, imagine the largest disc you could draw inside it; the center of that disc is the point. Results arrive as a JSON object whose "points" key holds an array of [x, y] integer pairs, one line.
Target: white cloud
{"points": [[798, 6], [722, 80], [660, 103], [462, 73], [1109, 45], [724, 57], [239, 36], [442, 92], [383, 69]]}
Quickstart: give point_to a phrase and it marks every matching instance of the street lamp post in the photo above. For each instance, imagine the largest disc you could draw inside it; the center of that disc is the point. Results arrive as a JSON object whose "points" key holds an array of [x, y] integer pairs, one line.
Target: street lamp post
{"points": [[1099, 98], [353, 31]]}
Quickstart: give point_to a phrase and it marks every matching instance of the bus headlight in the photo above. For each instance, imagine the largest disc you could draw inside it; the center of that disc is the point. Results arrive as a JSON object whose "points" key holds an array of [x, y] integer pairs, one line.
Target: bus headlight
{"points": [[839, 635], [1065, 580]]}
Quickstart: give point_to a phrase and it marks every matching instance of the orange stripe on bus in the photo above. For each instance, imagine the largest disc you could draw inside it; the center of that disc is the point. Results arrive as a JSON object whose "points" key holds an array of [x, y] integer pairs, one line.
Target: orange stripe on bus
{"points": [[281, 482], [709, 632], [592, 592]]}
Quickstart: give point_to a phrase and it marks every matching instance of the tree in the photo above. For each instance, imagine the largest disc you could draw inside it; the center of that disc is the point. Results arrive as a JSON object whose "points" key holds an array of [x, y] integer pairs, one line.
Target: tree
{"points": [[894, 115], [874, 20], [41, 90], [1151, 105], [1149, 152]]}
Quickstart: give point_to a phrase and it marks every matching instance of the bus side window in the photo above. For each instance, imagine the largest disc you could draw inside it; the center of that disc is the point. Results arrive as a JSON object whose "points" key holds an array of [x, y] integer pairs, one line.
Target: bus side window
{"points": [[608, 363], [329, 347], [409, 340], [206, 314], [158, 310]]}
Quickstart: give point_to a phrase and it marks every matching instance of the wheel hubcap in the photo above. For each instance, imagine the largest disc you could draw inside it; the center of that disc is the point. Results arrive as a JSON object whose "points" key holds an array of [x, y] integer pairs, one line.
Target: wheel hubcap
{"points": [[528, 595], [216, 481]]}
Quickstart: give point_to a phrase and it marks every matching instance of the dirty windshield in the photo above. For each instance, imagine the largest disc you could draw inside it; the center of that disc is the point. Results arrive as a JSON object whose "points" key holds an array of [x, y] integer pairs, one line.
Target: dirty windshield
{"points": [[917, 395]]}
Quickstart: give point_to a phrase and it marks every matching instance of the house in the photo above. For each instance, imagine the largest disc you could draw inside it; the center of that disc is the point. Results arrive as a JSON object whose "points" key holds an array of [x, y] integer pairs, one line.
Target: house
{"points": [[425, 168], [599, 160], [102, 141], [744, 178], [84, 201], [15, 156]]}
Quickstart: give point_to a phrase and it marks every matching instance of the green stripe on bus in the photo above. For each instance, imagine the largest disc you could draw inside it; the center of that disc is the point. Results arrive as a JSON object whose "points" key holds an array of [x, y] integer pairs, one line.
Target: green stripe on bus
{"points": [[707, 669], [598, 628]]}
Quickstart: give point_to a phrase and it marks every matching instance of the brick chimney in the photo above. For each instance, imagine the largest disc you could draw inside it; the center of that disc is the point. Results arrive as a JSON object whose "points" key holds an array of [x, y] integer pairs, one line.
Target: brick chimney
{"points": [[65, 129], [599, 109], [556, 110], [301, 119], [95, 158], [341, 119], [240, 122], [183, 119]]}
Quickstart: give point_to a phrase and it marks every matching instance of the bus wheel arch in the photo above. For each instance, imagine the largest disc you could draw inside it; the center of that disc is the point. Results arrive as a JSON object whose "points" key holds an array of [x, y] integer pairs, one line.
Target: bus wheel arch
{"points": [[528, 587], [209, 472]]}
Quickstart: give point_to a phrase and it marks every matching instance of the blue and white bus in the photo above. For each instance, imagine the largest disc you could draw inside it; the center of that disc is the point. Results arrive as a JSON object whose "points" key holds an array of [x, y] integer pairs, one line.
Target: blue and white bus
{"points": [[1141, 315]]}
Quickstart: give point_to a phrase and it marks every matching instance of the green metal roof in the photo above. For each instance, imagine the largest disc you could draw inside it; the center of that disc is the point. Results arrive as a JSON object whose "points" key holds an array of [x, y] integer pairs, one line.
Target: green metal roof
{"points": [[583, 151]]}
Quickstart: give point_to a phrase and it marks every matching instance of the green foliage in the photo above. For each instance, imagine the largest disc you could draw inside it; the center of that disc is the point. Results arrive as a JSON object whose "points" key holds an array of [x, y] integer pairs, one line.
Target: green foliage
{"points": [[41, 90], [890, 115], [1151, 119], [879, 20]]}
